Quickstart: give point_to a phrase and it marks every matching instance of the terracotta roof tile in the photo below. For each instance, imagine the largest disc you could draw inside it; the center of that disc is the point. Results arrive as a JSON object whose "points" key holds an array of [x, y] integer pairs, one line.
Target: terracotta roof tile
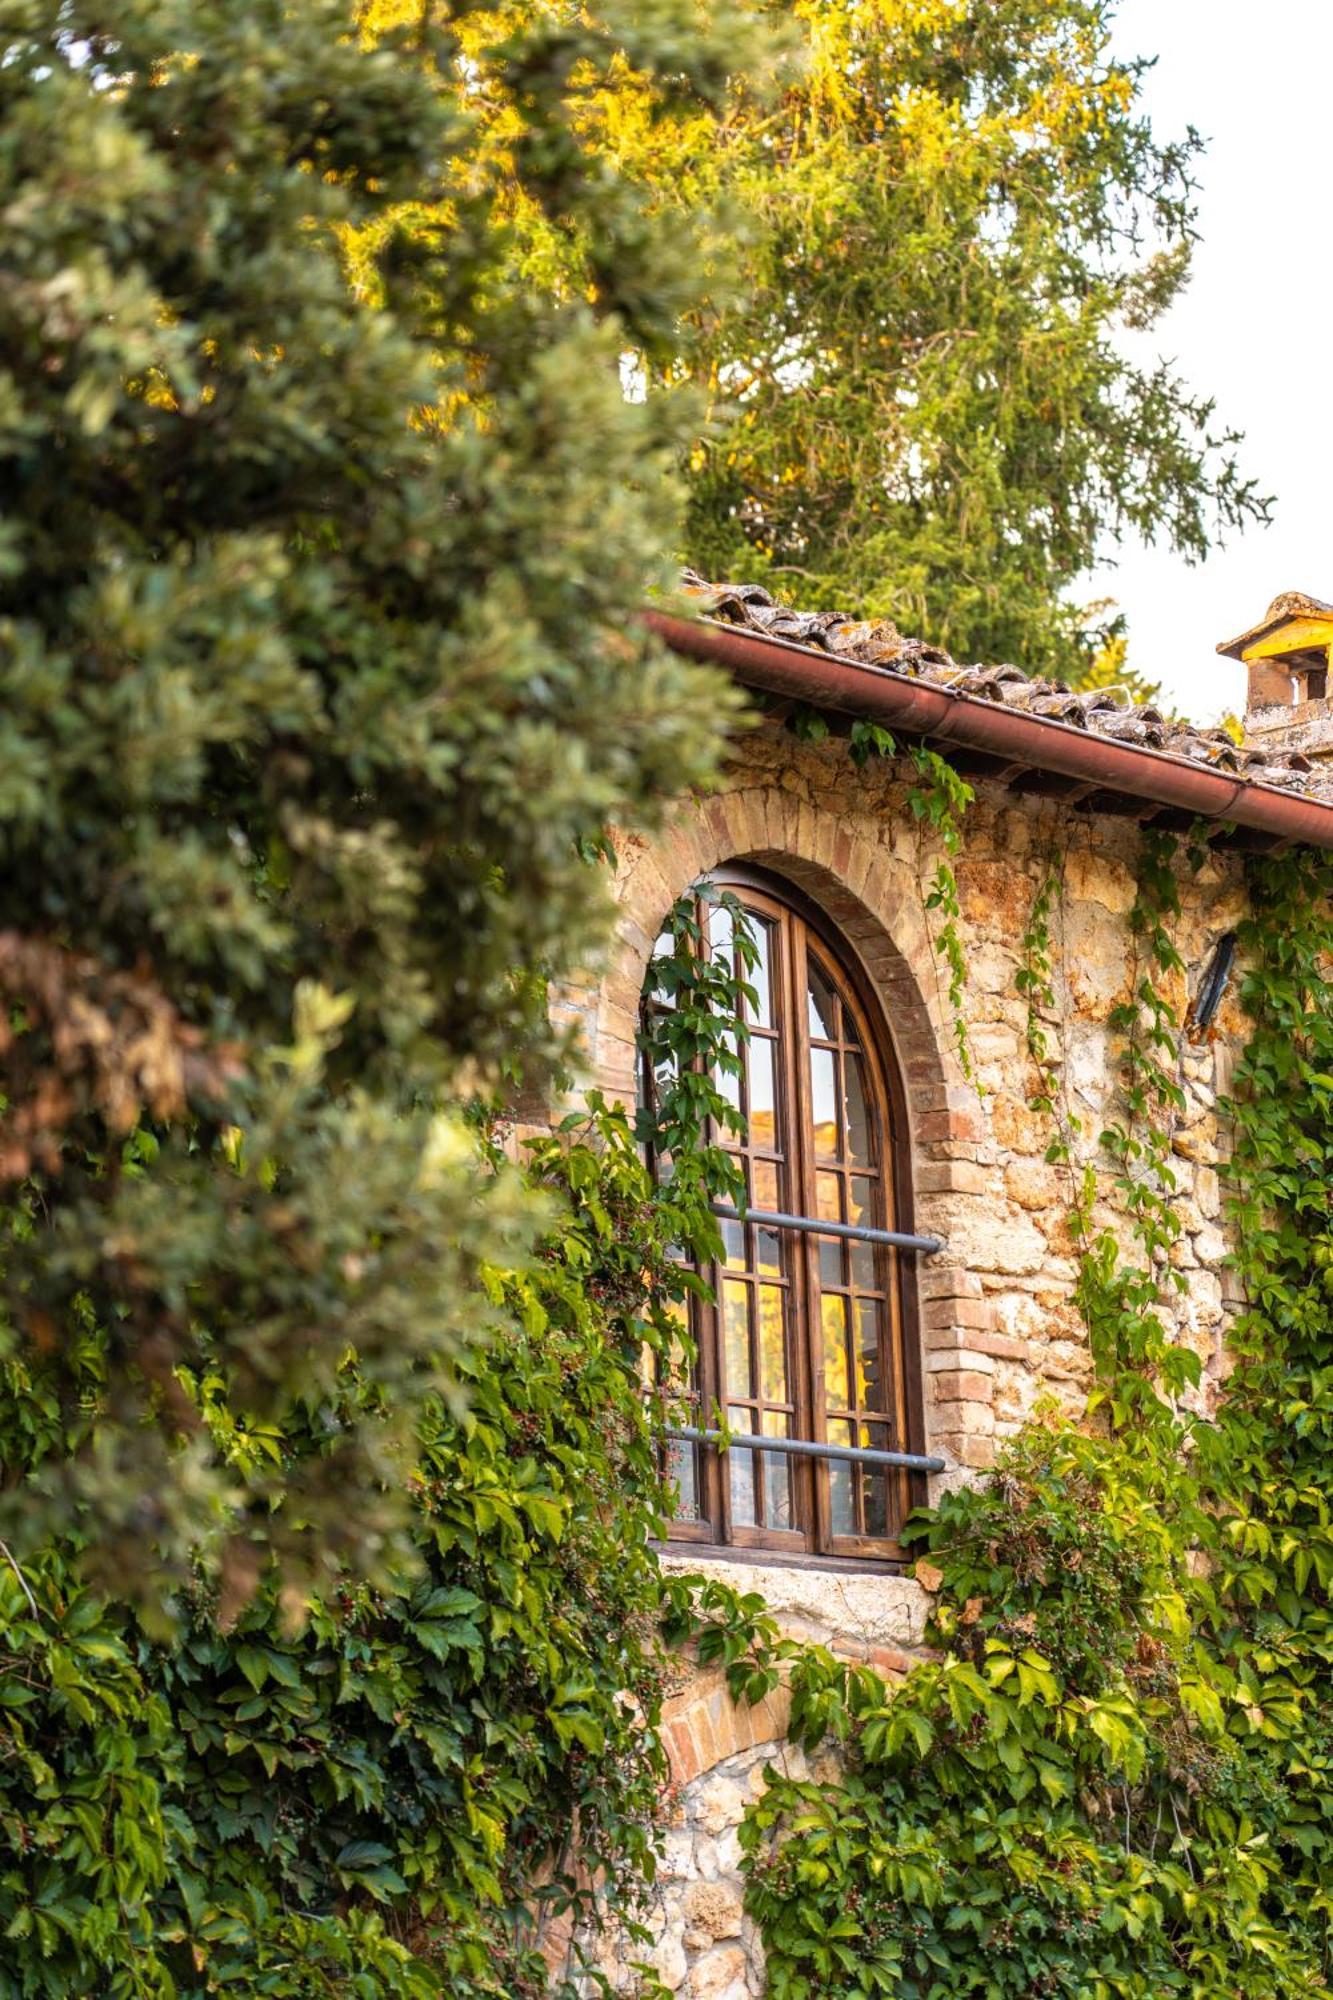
{"points": [[877, 642]]}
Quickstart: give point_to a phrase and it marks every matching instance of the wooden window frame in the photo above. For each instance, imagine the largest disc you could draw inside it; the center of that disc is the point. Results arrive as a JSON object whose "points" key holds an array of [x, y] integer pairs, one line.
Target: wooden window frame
{"points": [[813, 1543]]}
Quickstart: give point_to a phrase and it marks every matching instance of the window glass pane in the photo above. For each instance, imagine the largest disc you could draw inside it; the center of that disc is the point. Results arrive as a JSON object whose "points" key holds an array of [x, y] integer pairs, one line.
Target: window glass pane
{"points": [[842, 1520], [833, 1315], [664, 1074], [683, 1474], [673, 1371], [725, 1074], [860, 1201], [828, 1197], [824, 1103], [871, 1388], [855, 1112], [772, 1345], [656, 992], [779, 1510], [875, 1481], [763, 1116], [760, 975], [741, 1466], [760, 1347], [736, 1337], [823, 1006]]}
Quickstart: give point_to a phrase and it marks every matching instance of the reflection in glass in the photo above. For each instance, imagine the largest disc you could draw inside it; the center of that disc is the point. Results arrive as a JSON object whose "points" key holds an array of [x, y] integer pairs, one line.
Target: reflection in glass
{"points": [[736, 1337], [727, 1081], [828, 1197], [763, 1115], [772, 1345], [778, 1472], [683, 1475], [824, 1103], [823, 1007], [875, 1482], [842, 1519], [833, 1316], [679, 1356], [857, 1118], [870, 1385], [777, 1491], [665, 1074], [741, 1464], [762, 1352], [760, 975]]}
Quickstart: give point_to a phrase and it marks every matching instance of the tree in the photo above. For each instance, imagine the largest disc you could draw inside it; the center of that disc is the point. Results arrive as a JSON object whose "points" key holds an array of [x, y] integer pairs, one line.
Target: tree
{"points": [[920, 407], [321, 678]]}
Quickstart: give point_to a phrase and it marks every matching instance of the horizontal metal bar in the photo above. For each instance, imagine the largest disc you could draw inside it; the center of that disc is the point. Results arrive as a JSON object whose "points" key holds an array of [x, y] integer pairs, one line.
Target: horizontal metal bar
{"points": [[853, 1454], [813, 1225]]}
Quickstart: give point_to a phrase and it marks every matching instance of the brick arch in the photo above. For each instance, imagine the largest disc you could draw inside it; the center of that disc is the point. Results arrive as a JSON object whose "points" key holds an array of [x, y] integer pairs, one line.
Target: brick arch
{"points": [[844, 866], [702, 1726]]}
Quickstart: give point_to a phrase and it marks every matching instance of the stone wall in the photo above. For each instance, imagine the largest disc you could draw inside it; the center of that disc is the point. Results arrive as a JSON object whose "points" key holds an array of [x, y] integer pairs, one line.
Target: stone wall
{"points": [[999, 1324]]}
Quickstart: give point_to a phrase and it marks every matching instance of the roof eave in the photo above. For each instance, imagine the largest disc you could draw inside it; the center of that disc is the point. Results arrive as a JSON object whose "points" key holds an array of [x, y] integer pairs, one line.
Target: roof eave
{"points": [[1044, 743]]}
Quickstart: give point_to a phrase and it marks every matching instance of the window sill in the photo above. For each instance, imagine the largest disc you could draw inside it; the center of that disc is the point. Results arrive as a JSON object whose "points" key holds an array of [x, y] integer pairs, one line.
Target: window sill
{"points": [[683, 1555]]}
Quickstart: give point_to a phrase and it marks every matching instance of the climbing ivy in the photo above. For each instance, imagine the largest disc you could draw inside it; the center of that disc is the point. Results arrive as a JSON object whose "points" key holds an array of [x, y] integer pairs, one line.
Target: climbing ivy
{"points": [[1114, 1777], [446, 1784], [1035, 981], [937, 798], [1120, 1298], [1113, 1780]]}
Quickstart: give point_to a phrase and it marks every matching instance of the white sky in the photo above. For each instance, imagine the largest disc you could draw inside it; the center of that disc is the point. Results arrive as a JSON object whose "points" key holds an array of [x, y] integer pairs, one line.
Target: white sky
{"points": [[1254, 329]]}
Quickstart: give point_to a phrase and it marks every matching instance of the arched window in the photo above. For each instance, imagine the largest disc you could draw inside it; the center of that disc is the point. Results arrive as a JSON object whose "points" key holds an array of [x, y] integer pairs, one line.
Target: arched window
{"points": [[808, 1337]]}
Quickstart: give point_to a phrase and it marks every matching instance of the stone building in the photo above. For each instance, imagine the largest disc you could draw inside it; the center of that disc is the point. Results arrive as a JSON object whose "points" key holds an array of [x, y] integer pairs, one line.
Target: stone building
{"points": [[931, 1306]]}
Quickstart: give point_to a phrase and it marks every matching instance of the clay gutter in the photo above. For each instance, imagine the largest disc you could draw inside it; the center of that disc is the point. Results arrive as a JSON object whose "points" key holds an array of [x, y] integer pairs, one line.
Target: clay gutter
{"points": [[920, 707]]}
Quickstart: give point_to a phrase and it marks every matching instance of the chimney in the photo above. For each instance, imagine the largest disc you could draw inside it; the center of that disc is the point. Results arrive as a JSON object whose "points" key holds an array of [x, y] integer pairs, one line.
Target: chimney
{"points": [[1288, 656]]}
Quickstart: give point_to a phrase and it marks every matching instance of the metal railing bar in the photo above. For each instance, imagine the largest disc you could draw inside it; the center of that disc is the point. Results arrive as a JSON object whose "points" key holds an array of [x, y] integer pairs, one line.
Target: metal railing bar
{"points": [[813, 1225], [852, 1454]]}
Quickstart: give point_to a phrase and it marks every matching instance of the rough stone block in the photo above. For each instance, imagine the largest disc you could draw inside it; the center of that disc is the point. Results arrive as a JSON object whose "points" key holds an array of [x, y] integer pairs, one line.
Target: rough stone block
{"points": [[719, 1975], [712, 1910]]}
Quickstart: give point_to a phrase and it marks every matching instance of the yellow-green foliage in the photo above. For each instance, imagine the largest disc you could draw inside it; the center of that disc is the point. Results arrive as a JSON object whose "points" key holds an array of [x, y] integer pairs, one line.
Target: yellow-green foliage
{"points": [[919, 403]]}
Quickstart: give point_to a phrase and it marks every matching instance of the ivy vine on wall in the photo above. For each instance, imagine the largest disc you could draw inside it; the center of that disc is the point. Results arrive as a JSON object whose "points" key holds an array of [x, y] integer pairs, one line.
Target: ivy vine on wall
{"points": [[1116, 1777], [1111, 1783], [446, 1785]]}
